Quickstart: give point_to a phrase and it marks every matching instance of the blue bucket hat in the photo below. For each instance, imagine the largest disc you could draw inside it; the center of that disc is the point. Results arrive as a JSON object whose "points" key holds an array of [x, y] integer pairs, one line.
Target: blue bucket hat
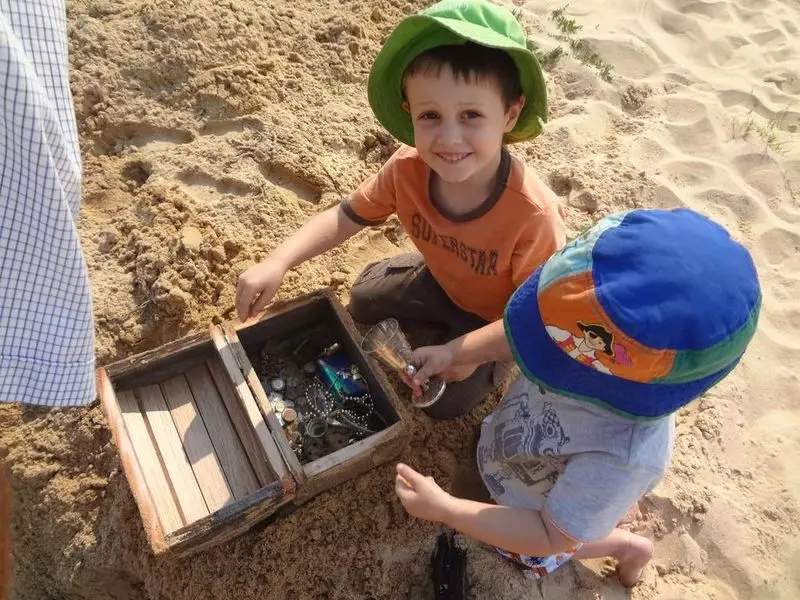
{"points": [[642, 313]]}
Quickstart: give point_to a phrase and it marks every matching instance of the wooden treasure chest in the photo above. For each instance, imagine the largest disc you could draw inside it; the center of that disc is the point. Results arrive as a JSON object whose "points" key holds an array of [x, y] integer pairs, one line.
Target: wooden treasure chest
{"points": [[220, 429]]}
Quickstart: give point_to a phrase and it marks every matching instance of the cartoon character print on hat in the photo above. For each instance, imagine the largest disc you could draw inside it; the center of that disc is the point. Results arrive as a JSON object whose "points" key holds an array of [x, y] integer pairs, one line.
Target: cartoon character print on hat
{"points": [[585, 346], [578, 325], [640, 314]]}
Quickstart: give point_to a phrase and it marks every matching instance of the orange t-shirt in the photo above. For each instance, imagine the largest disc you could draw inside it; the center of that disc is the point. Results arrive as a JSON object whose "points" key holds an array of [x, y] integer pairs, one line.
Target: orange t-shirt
{"points": [[479, 258]]}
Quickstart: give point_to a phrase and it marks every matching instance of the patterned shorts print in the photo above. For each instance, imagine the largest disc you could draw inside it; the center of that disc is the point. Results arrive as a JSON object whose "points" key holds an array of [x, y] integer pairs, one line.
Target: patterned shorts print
{"points": [[536, 567]]}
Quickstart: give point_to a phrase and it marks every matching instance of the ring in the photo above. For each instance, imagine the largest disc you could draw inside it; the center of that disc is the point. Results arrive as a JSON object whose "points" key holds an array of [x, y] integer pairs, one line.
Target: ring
{"points": [[316, 427]]}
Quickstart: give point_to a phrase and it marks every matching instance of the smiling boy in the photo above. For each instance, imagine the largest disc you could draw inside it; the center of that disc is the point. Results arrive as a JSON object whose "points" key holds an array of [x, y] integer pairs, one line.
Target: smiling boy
{"points": [[454, 83]]}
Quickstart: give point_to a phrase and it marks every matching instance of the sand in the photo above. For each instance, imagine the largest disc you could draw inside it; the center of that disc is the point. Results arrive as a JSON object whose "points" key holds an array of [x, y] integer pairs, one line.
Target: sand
{"points": [[211, 130]]}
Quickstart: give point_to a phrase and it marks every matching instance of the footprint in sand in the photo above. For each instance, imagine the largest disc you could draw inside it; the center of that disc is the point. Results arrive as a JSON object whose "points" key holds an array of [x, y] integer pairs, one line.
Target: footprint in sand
{"points": [[762, 172], [700, 137], [682, 110], [290, 184], [647, 151], [140, 136], [781, 249], [138, 172], [666, 196], [710, 10], [743, 206], [209, 189], [231, 126], [631, 57], [689, 173]]}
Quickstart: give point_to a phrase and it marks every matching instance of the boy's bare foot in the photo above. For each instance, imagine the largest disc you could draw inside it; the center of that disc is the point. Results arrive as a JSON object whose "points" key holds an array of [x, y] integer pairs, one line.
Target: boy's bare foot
{"points": [[634, 554], [632, 516]]}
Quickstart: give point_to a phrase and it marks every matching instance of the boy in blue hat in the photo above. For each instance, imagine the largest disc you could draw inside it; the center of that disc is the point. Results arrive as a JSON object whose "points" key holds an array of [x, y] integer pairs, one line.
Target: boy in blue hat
{"points": [[640, 315], [454, 84]]}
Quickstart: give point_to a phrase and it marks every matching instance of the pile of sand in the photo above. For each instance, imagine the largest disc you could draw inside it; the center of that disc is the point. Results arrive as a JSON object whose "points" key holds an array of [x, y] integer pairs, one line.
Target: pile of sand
{"points": [[211, 130]]}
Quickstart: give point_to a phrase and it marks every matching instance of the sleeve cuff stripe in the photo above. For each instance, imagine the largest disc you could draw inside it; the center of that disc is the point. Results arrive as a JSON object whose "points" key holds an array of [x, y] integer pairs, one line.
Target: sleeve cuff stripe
{"points": [[353, 216]]}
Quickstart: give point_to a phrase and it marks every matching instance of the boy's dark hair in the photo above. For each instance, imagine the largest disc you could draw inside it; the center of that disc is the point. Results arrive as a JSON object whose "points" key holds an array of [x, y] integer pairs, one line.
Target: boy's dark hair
{"points": [[472, 62]]}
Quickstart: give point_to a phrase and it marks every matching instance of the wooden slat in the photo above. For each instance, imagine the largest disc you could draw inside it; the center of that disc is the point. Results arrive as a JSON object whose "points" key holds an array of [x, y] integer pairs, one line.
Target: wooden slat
{"points": [[196, 443], [159, 363], [228, 522], [140, 462], [231, 454], [350, 462], [168, 442], [147, 455], [363, 448], [283, 307], [247, 401], [289, 457], [253, 447]]}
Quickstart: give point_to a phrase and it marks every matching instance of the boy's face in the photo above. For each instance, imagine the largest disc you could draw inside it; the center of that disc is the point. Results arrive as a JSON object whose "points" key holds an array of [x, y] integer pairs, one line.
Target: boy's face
{"points": [[459, 125]]}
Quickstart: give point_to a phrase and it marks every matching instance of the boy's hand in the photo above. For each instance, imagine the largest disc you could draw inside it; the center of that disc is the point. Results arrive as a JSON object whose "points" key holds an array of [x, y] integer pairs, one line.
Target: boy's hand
{"points": [[430, 361], [420, 495], [257, 286]]}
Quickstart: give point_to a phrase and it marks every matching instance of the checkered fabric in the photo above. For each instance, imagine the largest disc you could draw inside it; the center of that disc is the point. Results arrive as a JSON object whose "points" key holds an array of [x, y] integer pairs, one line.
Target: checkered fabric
{"points": [[46, 329]]}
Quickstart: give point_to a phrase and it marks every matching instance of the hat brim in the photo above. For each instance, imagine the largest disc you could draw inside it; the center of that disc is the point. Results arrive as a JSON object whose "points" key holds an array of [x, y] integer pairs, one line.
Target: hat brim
{"points": [[385, 86], [547, 365]]}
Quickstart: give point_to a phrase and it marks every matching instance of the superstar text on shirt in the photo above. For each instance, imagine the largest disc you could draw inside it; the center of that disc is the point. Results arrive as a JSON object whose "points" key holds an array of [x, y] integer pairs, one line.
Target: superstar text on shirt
{"points": [[481, 261]]}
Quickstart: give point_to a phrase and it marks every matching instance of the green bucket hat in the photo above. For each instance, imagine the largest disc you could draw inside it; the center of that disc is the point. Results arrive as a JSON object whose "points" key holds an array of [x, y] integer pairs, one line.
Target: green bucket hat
{"points": [[453, 22]]}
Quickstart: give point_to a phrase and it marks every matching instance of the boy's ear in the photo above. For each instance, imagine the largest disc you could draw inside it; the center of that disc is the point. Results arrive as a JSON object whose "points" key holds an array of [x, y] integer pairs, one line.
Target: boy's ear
{"points": [[406, 106], [512, 114]]}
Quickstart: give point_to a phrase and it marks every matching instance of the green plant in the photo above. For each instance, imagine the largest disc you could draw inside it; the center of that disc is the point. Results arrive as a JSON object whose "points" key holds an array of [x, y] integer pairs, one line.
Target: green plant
{"points": [[548, 59], [567, 27], [741, 128], [567, 32], [584, 53], [748, 126]]}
